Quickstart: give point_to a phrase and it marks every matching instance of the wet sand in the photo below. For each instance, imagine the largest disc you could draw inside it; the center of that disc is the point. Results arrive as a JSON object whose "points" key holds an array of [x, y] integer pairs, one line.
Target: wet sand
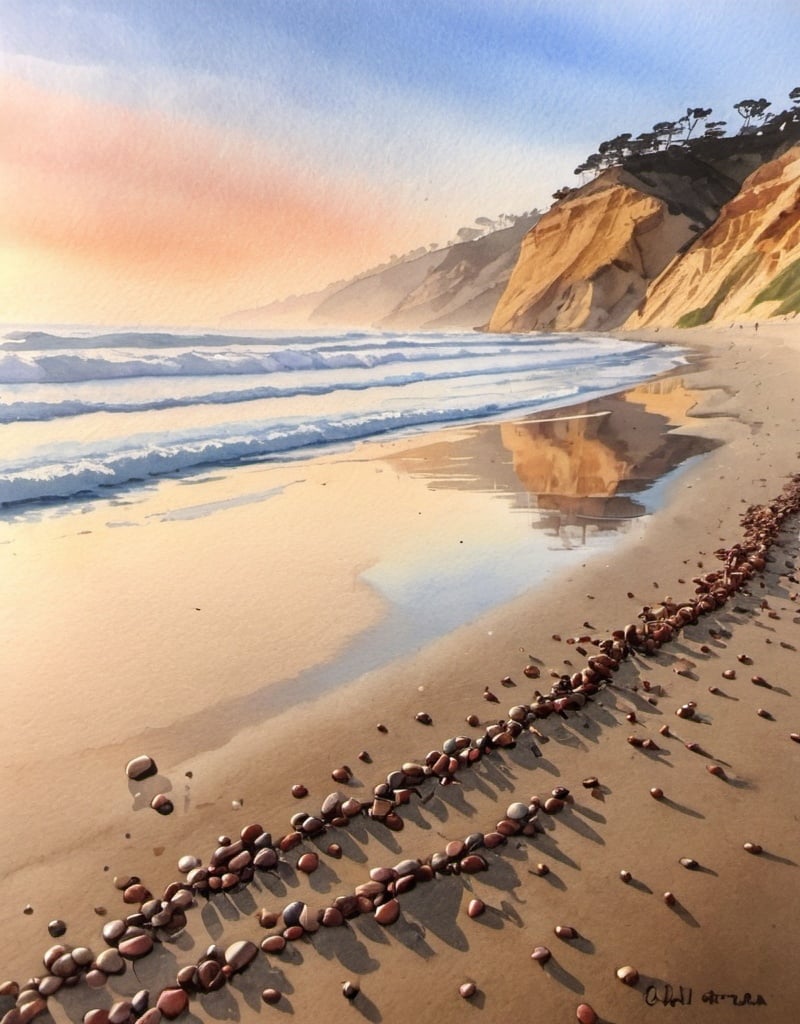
{"points": [[184, 625]]}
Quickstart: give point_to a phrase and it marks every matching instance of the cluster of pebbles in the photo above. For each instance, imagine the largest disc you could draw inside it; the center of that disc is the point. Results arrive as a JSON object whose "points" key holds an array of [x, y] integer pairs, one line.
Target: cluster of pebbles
{"points": [[235, 862]]}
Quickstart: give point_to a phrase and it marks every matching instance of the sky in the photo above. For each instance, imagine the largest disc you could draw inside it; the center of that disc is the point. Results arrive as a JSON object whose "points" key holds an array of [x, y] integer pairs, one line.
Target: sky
{"points": [[172, 161]]}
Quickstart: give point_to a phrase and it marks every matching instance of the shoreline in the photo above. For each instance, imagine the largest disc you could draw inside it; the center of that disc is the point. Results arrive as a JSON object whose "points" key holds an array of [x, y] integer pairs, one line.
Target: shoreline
{"points": [[257, 771]]}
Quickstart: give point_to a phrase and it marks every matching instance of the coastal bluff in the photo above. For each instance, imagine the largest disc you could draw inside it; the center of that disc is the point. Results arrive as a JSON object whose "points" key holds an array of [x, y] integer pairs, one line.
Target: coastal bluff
{"points": [[675, 238]]}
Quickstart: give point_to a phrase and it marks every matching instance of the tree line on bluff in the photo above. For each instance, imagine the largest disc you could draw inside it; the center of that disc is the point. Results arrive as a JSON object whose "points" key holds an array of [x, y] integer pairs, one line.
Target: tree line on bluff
{"points": [[755, 120]]}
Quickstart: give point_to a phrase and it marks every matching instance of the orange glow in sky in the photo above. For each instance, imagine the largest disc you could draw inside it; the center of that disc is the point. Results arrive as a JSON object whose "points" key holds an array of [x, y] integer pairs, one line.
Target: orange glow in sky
{"points": [[121, 216]]}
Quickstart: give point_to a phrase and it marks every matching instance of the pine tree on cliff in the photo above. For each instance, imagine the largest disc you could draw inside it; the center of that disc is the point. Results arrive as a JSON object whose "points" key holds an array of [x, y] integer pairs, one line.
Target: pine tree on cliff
{"points": [[751, 110], [692, 117]]}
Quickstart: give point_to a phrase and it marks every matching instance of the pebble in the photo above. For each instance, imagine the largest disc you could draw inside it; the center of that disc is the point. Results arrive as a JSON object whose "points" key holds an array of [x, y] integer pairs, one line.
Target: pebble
{"points": [[141, 767], [187, 863], [299, 791], [271, 995], [625, 876], [135, 947], [628, 975], [753, 848], [387, 913], [476, 907], [57, 928], [586, 1015], [467, 989], [657, 793], [172, 1002], [541, 954], [350, 990], [669, 899], [239, 954], [591, 783], [565, 931], [690, 863], [162, 803], [308, 863]]}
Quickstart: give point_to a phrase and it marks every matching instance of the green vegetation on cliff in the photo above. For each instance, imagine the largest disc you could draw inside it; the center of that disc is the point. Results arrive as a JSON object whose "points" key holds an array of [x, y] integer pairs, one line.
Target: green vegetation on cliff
{"points": [[703, 314], [785, 287]]}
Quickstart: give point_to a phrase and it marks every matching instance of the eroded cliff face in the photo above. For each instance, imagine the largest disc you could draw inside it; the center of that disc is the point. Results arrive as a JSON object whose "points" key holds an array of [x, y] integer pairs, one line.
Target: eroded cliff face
{"points": [[586, 265], [746, 266], [647, 243]]}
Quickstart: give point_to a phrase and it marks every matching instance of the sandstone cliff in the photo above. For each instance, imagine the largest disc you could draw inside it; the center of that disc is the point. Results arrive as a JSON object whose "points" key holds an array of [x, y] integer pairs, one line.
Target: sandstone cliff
{"points": [[592, 260], [745, 266]]}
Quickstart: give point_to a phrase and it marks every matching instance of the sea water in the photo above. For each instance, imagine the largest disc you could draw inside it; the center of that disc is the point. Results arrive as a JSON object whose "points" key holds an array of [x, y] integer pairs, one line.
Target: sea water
{"points": [[90, 413]]}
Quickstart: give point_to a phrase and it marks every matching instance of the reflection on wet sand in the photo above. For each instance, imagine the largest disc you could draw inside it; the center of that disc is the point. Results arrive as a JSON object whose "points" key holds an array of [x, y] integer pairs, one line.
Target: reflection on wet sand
{"points": [[581, 465]]}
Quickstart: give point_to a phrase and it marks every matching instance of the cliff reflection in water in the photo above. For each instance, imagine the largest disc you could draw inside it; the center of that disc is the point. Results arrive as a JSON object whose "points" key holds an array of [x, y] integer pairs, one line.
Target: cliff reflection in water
{"points": [[583, 465]]}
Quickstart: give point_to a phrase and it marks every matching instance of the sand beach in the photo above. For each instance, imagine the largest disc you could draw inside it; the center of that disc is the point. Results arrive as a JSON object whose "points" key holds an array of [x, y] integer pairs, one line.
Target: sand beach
{"points": [[251, 629]]}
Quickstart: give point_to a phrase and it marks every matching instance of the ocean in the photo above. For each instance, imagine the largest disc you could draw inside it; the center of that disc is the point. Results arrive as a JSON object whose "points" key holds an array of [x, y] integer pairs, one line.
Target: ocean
{"points": [[86, 413]]}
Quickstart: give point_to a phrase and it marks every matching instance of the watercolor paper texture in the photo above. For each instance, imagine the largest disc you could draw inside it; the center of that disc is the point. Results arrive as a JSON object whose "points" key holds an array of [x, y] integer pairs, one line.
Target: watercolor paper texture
{"points": [[375, 442]]}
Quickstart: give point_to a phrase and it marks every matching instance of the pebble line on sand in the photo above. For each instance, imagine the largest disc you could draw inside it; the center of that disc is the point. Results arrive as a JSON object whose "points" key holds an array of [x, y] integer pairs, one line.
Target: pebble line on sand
{"points": [[234, 862]]}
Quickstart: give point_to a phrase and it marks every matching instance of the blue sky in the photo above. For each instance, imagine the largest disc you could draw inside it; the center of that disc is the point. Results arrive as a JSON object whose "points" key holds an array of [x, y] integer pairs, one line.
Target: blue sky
{"points": [[421, 116]]}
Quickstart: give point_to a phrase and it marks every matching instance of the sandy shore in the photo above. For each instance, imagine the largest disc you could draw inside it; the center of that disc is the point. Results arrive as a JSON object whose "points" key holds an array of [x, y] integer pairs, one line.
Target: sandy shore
{"points": [[250, 631]]}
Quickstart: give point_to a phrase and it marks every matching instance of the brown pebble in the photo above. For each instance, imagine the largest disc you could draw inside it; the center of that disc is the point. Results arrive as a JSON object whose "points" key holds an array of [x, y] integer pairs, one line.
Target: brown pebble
{"points": [[27, 909], [57, 928], [467, 989], [172, 1002], [586, 1015], [273, 944], [365, 757], [299, 791], [308, 863], [753, 848], [690, 863], [239, 954], [625, 876], [162, 803], [591, 782], [271, 995], [628, 975], [541, 870], [476, 907], [657, 793], [729, 673], [334, 850], [716, 769], [141, 767], [664, 730], [565, 931], [532, 671], [381, 727], [795, 736], [541, 954], [350, 990], [669, 899]]}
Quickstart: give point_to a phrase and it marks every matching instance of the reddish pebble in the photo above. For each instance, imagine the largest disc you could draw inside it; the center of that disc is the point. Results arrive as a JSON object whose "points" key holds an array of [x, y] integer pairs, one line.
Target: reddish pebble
{"points": [[172, 1002], [541, 954], [476, 907], [271, 995], [586, 1015], [299, 791], [657, 793], [308, 863], [669, 899], [467, 990]]}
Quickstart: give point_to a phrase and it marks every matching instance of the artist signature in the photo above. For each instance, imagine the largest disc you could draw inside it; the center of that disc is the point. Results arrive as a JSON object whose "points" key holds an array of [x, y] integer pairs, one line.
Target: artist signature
{"points": [[682, 995]]}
